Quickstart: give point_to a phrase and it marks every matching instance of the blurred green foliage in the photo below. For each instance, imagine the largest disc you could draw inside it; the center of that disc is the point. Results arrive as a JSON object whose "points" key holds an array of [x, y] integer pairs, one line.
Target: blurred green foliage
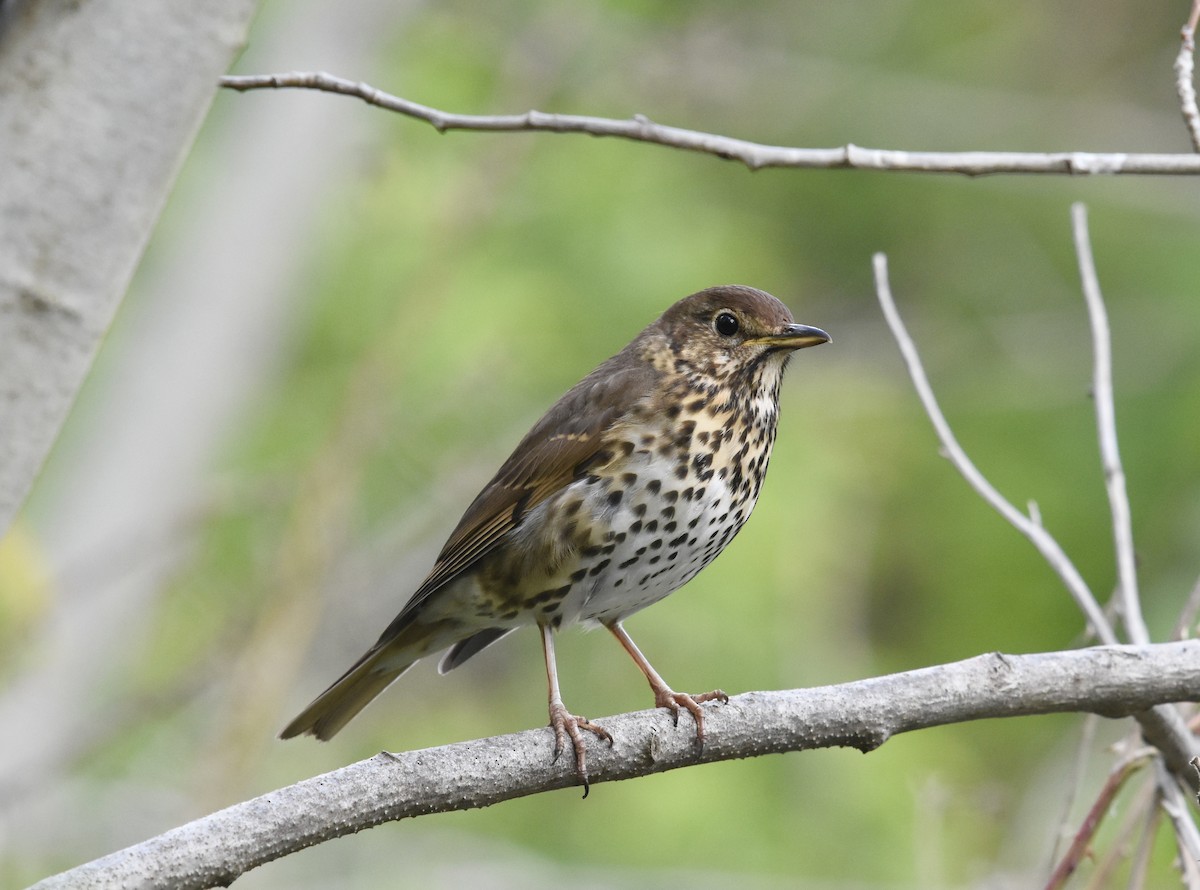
{"points": [[466, 280]]}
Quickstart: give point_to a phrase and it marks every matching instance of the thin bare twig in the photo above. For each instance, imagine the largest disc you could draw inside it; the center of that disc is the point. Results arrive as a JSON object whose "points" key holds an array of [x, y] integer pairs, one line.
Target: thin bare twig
{"points": [[1087, 736], [1184, 69], [1106, 424], [1139, 865], [1034, 531], [754, 155], [1095, 814], [1139, 813]]}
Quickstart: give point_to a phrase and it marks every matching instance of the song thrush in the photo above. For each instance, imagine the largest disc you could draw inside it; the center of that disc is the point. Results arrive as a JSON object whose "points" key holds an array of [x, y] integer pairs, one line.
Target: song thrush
{"points": [[618, 496]]}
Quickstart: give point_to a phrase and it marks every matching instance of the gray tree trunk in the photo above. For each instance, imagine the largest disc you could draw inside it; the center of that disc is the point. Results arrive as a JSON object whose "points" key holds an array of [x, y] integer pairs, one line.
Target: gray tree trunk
{"points": [[99, 104]]}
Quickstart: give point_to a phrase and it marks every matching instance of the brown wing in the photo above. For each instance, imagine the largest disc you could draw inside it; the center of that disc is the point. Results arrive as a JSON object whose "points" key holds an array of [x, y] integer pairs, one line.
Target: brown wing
{"points": [[552, 454]]}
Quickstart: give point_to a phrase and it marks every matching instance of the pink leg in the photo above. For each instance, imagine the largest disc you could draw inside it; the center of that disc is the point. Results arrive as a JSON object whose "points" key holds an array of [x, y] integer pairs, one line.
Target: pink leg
{"points": [[664, 695], [564, 723]]}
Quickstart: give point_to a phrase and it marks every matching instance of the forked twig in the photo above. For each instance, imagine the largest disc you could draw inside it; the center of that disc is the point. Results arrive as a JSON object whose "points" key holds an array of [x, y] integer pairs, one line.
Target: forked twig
{"points": [[1162, 727], [1034, 531]]}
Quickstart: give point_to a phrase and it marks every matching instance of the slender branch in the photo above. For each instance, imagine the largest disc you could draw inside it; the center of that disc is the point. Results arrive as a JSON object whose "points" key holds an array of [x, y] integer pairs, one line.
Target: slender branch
{"points": [[754, 155], [1106, 423], [1087, 738], [1113, 681], [1031, 529], [1184, 69], [1139, 864], [1140, 814], [1095, 815]]}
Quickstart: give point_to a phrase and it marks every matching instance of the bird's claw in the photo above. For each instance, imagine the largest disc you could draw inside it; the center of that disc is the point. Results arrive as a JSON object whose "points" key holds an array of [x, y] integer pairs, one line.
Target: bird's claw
{"points": [[567, 725], [676, 701]]}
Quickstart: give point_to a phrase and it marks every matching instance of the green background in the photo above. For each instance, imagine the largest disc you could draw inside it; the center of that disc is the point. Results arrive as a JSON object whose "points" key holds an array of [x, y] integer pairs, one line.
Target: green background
{"points": [[454, 285]]}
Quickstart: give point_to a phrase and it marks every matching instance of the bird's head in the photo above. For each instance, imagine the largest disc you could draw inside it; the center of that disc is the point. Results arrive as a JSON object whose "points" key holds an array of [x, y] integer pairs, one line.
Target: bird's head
{"points": [[728, 330]]}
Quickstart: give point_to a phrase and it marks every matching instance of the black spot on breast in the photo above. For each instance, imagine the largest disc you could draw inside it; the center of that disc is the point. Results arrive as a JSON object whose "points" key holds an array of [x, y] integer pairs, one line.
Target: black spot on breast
{"points": [[653, 486], [599, 567], [614, 497], [578, 576], [627, 563], [556, 594]]}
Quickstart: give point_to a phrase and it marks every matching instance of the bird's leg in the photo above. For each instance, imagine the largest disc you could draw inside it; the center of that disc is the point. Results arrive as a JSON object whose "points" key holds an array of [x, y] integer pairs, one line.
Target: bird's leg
{"points": [[664, 695], [563, 722]]}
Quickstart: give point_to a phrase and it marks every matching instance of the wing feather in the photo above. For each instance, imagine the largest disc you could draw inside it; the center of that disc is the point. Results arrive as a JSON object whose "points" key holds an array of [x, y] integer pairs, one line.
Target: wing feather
{"points": [[554, 453]]}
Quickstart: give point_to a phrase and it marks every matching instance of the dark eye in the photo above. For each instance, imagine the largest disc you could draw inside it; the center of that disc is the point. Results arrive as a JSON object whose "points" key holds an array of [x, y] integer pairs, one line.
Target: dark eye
{"points": [[726, 324]]}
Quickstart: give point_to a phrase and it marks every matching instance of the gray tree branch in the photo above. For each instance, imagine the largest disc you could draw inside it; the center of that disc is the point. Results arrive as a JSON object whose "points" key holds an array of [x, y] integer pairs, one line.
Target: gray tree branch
{"points": [[1114, 681], [754, 155]]}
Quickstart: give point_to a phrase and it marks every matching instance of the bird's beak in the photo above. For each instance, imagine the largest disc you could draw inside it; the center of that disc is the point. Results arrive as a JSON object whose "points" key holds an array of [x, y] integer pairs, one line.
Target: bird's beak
{"points": [[794, 336]]}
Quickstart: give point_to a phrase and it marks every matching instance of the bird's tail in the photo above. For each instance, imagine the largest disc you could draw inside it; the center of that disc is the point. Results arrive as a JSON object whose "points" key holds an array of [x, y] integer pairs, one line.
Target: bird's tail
{"points": [[349, 694]]}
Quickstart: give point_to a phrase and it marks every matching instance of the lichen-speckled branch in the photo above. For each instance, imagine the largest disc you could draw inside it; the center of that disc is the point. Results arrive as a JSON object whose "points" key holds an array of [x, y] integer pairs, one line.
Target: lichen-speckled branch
{"points": [[1113, 681]]}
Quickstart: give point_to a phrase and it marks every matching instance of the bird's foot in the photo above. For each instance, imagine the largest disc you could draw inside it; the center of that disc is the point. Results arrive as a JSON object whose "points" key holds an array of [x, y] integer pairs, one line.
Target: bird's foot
{"points": [[676, 701], [567, 725]]}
